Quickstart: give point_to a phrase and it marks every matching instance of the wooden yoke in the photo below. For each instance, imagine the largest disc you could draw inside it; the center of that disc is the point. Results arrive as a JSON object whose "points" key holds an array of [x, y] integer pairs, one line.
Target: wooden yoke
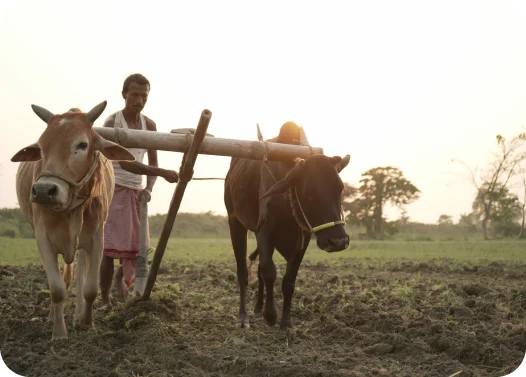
{"points": [[216, 146]]}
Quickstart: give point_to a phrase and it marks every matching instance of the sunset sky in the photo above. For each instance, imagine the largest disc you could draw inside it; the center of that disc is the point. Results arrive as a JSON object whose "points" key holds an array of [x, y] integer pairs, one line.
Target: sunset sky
{"points": [[410, 84]]}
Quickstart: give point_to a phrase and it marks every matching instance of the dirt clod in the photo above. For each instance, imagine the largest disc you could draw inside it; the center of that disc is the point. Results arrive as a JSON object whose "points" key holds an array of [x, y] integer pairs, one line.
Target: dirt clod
{"points": [[474, 289], [379, 349], [460, 311]]}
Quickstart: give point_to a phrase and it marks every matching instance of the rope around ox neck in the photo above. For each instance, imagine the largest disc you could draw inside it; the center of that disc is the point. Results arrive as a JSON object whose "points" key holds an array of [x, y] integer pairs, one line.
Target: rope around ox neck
{"points": [[311, 228], [319, 227], [76, 186]]}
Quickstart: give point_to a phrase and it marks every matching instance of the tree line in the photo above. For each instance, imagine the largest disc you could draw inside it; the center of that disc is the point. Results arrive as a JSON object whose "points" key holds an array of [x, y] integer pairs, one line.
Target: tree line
{"points": [[188, 225]]}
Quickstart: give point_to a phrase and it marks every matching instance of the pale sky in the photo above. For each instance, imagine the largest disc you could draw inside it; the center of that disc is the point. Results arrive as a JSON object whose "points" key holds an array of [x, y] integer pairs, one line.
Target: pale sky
{"points": [[411, 84]]}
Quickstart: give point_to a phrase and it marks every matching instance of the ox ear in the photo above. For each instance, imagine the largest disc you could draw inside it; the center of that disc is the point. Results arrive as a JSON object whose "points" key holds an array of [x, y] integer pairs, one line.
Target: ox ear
{"points": [[342, 163], [94, 113], [112, 151], [290, 180], [29, 153]]}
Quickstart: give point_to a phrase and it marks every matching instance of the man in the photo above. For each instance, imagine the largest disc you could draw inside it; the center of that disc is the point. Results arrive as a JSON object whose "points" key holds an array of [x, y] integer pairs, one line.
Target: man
{"points": [[122, 228]]}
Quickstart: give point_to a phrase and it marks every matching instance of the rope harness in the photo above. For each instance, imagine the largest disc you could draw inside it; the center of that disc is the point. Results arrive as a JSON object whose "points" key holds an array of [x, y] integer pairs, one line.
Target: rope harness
{"points": [[311, 228], [75, 186]]}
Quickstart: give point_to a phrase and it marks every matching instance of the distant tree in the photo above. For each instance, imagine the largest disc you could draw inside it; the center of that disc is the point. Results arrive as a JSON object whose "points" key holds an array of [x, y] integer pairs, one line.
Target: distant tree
{"points": [[522, 233], [506, 209], [492, 180], [468, 221], [360, 212], [445, 220], [387, 185], [403, 219], [390, 227], [379, 186], [349, 192]]}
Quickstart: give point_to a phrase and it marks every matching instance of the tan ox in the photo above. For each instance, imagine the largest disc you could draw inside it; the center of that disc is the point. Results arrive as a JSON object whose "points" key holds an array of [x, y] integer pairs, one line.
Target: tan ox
{"points": [[64, 186]]}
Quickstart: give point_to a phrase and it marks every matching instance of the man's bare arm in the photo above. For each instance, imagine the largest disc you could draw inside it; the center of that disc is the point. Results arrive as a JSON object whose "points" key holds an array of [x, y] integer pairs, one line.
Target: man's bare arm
{"points": [[152, 157], [137, 167]]}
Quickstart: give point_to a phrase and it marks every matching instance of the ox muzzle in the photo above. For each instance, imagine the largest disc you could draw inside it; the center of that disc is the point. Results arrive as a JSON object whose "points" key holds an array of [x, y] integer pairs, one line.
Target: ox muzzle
{"points": [[49, 192], [333, 244]]}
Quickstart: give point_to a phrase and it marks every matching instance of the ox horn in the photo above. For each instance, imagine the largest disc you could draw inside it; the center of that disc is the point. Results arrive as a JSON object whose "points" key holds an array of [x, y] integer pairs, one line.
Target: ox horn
{"points": [[303, 137], [260, 136], [343, 163], [94, 113], [42, 113]]}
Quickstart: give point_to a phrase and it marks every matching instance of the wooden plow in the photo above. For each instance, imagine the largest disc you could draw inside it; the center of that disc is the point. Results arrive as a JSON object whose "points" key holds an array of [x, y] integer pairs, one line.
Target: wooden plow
{"points": [[192, 145]]}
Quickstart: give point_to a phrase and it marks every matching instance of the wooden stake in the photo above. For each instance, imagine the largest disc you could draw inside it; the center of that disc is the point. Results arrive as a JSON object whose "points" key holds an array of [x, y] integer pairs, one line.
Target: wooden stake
{"points": [[185, 175]]}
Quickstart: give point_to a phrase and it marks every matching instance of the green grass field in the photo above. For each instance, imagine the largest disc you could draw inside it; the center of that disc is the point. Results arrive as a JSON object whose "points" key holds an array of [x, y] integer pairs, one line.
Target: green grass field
{"points": [[23, 251]]}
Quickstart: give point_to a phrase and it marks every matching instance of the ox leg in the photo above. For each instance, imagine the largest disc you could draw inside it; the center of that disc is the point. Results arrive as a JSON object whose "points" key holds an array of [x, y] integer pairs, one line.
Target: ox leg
{"points": [[287, 286], [57, 286], [258, 309], [268, 273], [79, 286], [51, 310], [67, 275], [238, 235], [93, 254]]}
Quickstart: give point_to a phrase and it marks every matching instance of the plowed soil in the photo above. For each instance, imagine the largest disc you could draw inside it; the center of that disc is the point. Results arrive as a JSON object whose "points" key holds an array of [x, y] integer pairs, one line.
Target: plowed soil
{"points": [[356, 318]]}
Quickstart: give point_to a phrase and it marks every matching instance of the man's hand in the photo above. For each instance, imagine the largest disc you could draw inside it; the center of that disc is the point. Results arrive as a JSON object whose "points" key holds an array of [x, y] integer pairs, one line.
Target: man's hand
{"points": [[171, 176], [146, 193]]}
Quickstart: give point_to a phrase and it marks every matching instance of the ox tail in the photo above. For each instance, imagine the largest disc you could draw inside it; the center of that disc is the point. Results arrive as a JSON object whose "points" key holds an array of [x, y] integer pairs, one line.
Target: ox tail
{"points": [[68, 273], [252, 258]]}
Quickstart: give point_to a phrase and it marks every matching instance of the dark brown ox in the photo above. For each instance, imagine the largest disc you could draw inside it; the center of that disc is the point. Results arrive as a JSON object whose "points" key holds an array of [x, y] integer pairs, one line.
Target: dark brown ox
{"points": [[64, 186], [283, 203]]}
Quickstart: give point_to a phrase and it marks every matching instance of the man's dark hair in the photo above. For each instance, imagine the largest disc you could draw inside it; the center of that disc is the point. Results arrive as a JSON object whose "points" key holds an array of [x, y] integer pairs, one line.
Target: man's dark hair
{"points": [[136, 78]]}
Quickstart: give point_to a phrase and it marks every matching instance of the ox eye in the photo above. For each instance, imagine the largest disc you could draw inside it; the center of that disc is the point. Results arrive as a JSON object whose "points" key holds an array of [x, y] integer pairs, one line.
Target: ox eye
{"points": [[82, 145]]}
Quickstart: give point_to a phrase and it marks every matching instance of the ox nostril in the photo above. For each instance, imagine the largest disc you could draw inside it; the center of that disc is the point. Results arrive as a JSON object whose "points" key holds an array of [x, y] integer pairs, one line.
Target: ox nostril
{"points": [[33, 192], [335, 241], [339, 243], [52, 191]]}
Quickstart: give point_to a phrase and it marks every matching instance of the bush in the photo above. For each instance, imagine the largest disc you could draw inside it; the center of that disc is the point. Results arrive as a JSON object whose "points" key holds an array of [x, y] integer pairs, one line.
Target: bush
{"points": [[9, 233]]}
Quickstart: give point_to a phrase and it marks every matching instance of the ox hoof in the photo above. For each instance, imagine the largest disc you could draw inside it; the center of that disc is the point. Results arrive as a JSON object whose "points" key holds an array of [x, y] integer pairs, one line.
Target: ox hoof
{"points": [[270, 317], [258, 311], [243, 324], [55, 337], [83, 326], [105, 304], [286, 325]]}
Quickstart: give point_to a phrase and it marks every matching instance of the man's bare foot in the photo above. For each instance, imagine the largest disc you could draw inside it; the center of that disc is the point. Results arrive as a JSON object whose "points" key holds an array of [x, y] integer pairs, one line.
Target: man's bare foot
{"points": [[118, 283]]}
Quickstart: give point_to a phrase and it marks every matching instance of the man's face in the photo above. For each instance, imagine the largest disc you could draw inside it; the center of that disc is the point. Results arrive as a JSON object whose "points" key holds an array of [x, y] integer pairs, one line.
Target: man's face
{"points": [[136, 97]]}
